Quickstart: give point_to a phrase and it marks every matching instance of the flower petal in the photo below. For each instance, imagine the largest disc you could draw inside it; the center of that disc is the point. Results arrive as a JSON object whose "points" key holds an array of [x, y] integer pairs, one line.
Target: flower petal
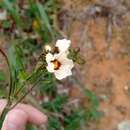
{"points": [[63, 45], [49, 57], [69, 63], [65, 70], [62, 73], [66, 66], [66, 61], [50, 67]]}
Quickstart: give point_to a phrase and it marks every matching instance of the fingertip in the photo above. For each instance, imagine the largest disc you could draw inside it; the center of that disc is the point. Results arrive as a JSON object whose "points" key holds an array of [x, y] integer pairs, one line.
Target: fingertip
{"points": [[34, 116], [43, 119], [15, 120]]}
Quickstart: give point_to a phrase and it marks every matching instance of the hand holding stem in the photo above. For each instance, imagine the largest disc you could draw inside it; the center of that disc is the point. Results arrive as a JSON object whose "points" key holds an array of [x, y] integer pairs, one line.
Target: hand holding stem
{"points": [[17, 118]]}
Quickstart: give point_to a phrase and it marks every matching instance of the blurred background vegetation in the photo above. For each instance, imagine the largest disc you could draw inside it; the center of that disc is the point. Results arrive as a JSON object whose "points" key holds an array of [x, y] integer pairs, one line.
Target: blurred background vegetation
{"points": [[30, 25]]}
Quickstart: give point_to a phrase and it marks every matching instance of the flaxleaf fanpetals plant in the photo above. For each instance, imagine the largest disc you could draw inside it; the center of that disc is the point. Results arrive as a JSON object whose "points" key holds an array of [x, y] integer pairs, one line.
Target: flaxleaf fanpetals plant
{"points": [[37, 58], [57, 61]]}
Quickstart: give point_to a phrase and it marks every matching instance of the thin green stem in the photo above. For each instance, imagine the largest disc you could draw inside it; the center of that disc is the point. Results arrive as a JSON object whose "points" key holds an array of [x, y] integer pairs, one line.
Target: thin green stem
{"points": [[10, 82], [20, 89], [35, 84], [2, 117], [26, 80]]}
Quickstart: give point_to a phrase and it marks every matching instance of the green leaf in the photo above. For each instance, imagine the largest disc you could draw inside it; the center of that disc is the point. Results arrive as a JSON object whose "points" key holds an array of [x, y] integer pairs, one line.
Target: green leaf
{"points": [[73, 121], [44, 18], [53, 123], [3, 84], [92, 97], [2, 76], [48, 85], [56, 104], [75, 56], [16, 64], [92, 112], [6, 24]]}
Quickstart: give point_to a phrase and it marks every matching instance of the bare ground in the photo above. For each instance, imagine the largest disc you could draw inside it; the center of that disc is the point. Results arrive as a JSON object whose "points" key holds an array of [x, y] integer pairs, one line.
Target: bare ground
{"points": [[107, 68]]}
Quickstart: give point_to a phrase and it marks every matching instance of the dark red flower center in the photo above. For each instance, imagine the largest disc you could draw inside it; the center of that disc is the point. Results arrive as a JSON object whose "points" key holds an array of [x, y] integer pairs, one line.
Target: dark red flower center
{"points": [[57, 64]]}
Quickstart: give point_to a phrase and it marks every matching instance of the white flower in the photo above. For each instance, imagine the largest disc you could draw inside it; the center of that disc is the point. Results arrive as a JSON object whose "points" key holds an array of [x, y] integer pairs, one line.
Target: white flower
{"points": [[3, 15], [60, 64], [63, 45]]}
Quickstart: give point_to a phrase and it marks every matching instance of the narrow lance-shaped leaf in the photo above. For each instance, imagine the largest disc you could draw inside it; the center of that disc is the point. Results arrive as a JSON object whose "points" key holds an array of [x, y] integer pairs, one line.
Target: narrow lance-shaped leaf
{"points": [[16, 65], [44, 18]]}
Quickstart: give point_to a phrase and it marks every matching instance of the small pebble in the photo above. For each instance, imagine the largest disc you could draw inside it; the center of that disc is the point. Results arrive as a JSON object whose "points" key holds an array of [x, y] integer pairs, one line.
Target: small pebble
{"points": [[124, 125]]}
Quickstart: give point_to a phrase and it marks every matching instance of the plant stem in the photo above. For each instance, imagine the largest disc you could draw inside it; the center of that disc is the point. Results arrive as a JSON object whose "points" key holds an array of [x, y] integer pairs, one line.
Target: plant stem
{"points": [[2, 117], [26, 80], [10, 84], [20, 89], [26, 93]]}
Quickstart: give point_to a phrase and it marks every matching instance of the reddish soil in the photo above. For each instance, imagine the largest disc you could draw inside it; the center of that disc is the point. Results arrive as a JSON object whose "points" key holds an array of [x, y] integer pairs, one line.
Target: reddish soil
{"points": [[107, 68]]}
